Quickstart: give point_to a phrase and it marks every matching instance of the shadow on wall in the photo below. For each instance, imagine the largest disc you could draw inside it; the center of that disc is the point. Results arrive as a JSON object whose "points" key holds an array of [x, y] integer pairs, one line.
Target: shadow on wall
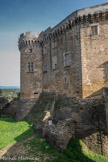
{"points": [[28, 146], [93, 124], [104, 66], [97, 93]]}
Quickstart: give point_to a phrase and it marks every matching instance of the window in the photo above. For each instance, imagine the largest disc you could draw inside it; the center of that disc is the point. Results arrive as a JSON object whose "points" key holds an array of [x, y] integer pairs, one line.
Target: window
{"points": [[54, 44], [54, 62], [45, 68], [30, 50], [94, 30], [35, 92], [66, 59], [66, 79], [44, 50], [30, 67]]}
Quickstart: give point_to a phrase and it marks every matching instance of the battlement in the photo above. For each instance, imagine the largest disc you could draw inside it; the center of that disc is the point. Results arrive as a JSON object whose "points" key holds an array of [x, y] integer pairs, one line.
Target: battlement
{"points": [[28, 39], [29, 36], [82, 17], [93, 9]]}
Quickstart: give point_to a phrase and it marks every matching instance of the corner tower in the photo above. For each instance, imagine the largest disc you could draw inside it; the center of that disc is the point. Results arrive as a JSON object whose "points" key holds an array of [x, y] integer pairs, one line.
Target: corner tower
{"points": [[30, 65]]}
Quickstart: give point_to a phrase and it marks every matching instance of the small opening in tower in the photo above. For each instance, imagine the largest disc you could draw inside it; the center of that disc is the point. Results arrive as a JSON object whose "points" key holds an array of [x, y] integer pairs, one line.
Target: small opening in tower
{"points": [[65, 80], [35, 92], [30, 50]]}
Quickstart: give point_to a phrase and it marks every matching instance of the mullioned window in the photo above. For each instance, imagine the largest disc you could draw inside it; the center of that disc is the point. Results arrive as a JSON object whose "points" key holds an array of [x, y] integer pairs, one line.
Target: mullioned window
{"points": [[30, 67]]}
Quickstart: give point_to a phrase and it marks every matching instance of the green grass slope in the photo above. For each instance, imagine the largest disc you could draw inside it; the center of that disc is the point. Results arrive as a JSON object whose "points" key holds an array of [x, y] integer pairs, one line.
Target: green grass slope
{"points": [[10, 130], [25, 142]]}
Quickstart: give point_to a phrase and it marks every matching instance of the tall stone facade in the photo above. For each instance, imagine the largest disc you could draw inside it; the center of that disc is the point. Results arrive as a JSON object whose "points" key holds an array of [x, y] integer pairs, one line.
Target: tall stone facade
{"points": [[31, 65], [70, 58]]}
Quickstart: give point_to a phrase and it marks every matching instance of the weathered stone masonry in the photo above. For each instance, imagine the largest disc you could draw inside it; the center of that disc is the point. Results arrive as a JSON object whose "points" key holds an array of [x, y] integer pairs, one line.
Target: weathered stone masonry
{"points": [[70, 58]]}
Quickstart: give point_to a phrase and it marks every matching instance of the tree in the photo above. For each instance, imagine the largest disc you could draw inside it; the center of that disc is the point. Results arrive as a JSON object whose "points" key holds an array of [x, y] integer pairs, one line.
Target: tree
{"points": [[0, 92]]}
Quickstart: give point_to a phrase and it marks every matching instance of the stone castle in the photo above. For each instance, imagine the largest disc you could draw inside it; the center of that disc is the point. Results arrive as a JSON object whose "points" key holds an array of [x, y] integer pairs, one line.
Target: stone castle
{"points": [[69, 64], [70, 58]]}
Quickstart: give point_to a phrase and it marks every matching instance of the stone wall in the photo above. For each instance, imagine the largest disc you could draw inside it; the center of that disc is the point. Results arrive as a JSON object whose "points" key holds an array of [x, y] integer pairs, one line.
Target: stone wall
{"points": [[87, 73], [94, 54], [25, 105], [63, 79], [90, 120], [59, 118], [105, 93], [93, 125]]}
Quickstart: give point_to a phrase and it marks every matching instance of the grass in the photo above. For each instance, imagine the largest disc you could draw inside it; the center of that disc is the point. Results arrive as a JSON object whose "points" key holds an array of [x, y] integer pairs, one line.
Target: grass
{"points": [[73, 153], [12, 133]]}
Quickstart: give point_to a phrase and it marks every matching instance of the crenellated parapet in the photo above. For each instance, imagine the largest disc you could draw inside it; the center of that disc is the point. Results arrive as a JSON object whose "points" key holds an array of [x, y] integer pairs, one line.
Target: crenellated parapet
{"points": [[80, 20], [28, 40]]}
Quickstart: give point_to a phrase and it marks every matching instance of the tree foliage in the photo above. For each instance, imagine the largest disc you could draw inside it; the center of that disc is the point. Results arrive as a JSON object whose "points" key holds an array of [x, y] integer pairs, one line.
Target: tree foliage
{"points": [[0, 92]]}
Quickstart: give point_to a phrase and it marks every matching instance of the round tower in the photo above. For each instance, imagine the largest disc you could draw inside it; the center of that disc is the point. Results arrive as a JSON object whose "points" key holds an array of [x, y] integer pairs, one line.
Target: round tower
{"points": [[30, 65]]}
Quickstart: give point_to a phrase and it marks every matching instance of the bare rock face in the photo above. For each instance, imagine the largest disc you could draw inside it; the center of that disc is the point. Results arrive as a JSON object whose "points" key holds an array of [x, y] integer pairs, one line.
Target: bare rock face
{"points": [[59, 134]]}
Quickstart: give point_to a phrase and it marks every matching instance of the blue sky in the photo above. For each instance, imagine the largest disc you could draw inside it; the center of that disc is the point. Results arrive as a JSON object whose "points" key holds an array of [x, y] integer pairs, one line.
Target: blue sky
{"points": [[18, 16]]}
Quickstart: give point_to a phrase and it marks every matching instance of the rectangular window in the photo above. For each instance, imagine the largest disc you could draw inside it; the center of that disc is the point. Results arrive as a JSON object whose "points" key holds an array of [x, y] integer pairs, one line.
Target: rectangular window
{"points": [[54, 44], [54, 62], [94, 30], [66, 79], [45, 68], [66, 59], [30, 67], [30, 50], [44, 50]]}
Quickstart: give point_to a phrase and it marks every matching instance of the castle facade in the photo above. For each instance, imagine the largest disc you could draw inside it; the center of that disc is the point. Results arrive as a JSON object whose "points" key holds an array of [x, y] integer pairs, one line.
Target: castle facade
{"points": [[70, 58]]}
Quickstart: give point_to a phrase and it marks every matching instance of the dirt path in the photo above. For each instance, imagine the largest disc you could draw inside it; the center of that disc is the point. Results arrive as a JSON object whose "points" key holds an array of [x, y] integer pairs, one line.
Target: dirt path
{"points": [[19, 152]]}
